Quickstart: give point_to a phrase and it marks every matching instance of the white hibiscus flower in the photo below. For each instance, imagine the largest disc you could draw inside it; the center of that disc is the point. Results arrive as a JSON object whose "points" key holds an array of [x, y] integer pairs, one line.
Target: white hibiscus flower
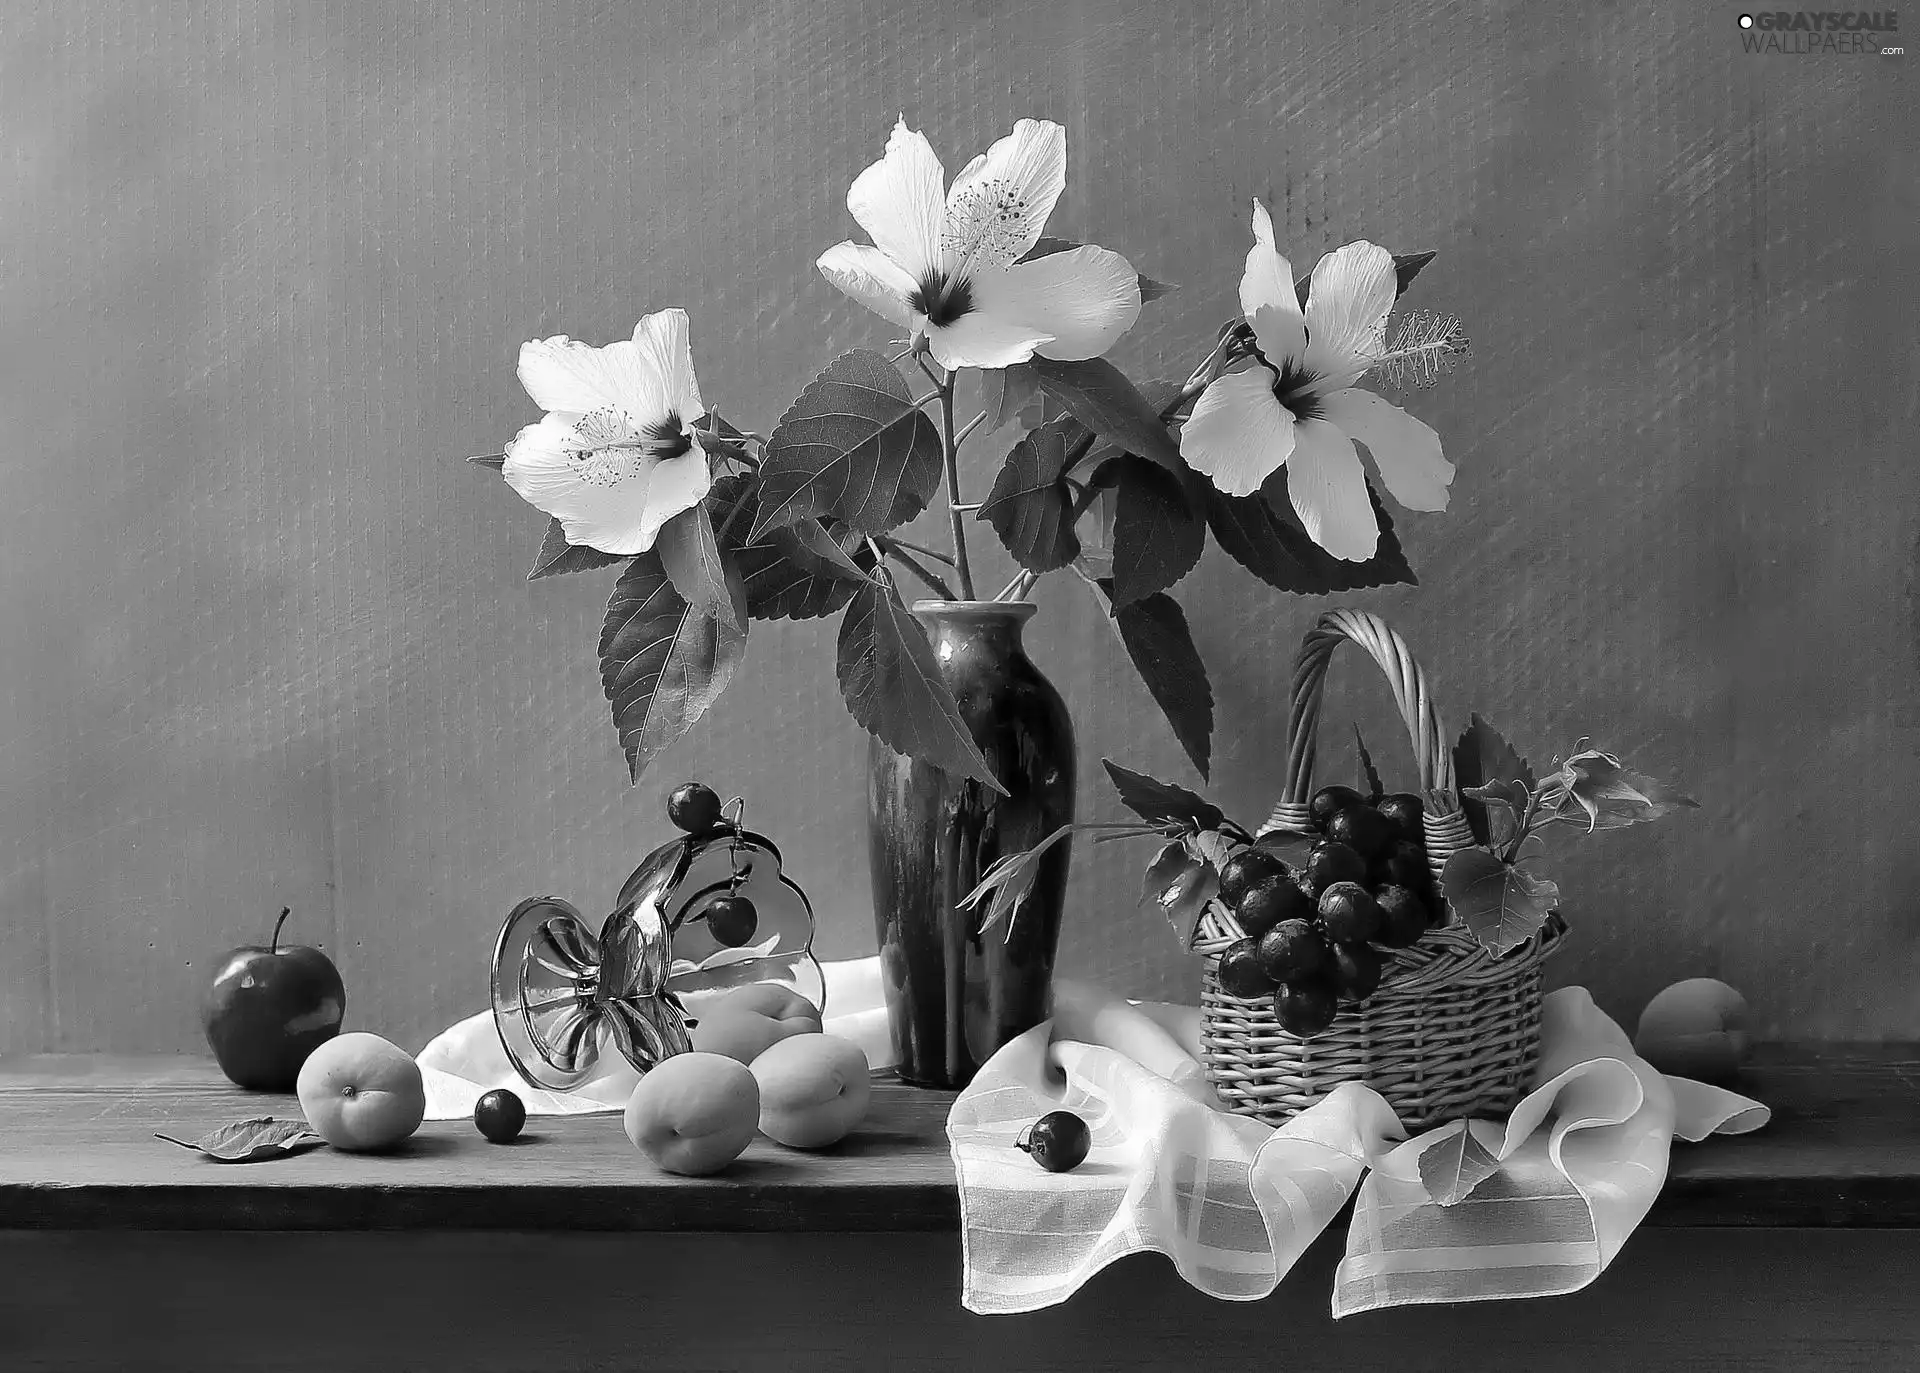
{"points": [[945, 263], [617, 456], [1297, 406]]}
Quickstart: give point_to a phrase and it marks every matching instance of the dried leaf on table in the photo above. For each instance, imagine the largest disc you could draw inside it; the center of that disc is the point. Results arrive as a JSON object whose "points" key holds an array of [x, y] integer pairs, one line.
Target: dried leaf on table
{"points": [[251, 1141]]}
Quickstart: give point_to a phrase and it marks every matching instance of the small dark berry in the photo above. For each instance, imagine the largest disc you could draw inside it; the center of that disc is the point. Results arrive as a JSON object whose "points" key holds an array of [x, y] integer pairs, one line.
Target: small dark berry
{"points": [[1406, 866], [1245, 869], [732, 920], [1332, 862], [1361, 829], [1058, 1141], [1304, 1009], [499, 1115], [1403, 917], [1356, 970], [1270, 902], [1240, 972], [1403, 811], [694, 807], [1348, 913], [1329, 801], [1292, 951]]}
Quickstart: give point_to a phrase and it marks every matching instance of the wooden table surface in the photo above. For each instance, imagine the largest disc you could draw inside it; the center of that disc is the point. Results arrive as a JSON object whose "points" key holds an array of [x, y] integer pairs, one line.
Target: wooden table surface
{"points": [[1778, 1252], [78, 1152]]}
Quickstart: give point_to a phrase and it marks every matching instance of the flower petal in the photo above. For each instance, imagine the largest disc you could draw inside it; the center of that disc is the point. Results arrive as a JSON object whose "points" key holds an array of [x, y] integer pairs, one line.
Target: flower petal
{"points": [[1238, 433], [1329, 492], [1000, 202], [565, 376], [978, 339], [1406, 451], [1267, 297], [662, 340], [872, 278], [901, 203], [1348, 302], [616, 507], [1085, 298]]}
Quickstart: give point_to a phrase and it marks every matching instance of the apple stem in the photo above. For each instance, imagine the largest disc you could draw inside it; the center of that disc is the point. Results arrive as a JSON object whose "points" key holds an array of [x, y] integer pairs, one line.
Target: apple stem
{"points": [[285, 911]]}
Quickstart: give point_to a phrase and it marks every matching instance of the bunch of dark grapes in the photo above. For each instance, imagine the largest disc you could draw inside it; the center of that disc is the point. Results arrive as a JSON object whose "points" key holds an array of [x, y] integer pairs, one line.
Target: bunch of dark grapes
{"points": [[1313, 935]]}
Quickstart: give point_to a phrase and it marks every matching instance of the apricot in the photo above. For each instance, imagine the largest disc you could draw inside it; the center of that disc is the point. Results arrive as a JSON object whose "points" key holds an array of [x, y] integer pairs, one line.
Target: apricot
{"points": [[747, 1021], [814, 1089], [694, 1113], [361, 1092], [1696, 1028]]}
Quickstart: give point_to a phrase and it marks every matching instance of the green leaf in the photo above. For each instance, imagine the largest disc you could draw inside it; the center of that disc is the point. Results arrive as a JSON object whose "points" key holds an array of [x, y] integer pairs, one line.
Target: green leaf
{"points": [[853, 447], [1154, 631], [1009, 881], [1179, 887], [252, 1141], [1506, 804], [783, 573], [1482, 756], [1369, 778], [1157, 538], [1030, 508], [1406, 266], [1611, 795], [893, 688], [692, 559], [1150, 290], [1502, 904], [1098, 394], [1151, 799], [662, 663], [1011, 395], [557, 555], [1455, 1162], [1262, 534]]}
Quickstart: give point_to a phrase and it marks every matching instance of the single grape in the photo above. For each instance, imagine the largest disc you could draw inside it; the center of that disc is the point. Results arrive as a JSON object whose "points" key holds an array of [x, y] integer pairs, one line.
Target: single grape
{"points": [[1361, 829], [1304, 1009], [1292, 951], [1246, 869], [694, 807], [1331, 862], [1348, 913], [1058, 1141], [1356, 970], [1403, 917], [499, 1115], [1240, 972], [732, 920], [1329, 801], [1270, 902], [1403, 811], [1406, 865]]}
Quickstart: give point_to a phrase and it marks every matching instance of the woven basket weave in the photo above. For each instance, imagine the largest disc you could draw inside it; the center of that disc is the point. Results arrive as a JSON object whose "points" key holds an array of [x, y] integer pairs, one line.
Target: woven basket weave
{"points": [[1452, 1031]]}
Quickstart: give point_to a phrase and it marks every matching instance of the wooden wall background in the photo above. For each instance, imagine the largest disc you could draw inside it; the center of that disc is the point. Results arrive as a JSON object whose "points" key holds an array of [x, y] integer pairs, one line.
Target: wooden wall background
{"points": [[264, 637]]}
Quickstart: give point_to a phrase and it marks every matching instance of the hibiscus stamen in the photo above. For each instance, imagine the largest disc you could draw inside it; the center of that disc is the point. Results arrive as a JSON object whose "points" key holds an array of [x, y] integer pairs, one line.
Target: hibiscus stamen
{"points": [[942, 298], [1298, 389]]}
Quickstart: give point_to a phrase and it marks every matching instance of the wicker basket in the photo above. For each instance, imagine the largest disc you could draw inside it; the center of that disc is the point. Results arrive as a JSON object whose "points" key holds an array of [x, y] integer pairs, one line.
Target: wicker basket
{"points": [[1452, 1031]]}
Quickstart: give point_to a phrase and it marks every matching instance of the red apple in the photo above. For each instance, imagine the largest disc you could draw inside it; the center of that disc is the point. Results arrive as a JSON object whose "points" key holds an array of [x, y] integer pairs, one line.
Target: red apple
{"points": [[268, 1008]]}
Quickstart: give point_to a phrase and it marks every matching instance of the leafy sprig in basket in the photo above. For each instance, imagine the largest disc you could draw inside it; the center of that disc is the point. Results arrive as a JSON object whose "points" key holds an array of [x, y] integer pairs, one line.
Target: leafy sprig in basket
{"points": [[1395, 940]]}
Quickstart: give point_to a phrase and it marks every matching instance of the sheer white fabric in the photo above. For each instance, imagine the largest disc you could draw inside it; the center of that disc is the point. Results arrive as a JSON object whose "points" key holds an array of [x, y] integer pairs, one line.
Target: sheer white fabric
{"points": [[1234, 1203]]}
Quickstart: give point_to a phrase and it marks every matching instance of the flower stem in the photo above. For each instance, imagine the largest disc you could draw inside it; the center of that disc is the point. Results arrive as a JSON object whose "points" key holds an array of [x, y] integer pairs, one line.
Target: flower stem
{"points": [[933, 581], [951, 451], [894, 541], [1018, 588]]}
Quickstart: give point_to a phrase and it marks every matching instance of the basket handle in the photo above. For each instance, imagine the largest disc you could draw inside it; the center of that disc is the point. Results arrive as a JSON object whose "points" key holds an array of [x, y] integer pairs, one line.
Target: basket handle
{"points": [[1431, 752]]}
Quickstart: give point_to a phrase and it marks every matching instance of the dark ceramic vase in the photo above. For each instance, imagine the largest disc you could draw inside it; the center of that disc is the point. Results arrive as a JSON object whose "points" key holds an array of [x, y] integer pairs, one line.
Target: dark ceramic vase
{"points": [[954, 995]]}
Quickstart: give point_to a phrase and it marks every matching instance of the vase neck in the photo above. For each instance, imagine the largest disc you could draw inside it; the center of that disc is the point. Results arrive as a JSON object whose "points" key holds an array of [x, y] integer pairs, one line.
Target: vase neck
{"points": [[975, 626]]}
